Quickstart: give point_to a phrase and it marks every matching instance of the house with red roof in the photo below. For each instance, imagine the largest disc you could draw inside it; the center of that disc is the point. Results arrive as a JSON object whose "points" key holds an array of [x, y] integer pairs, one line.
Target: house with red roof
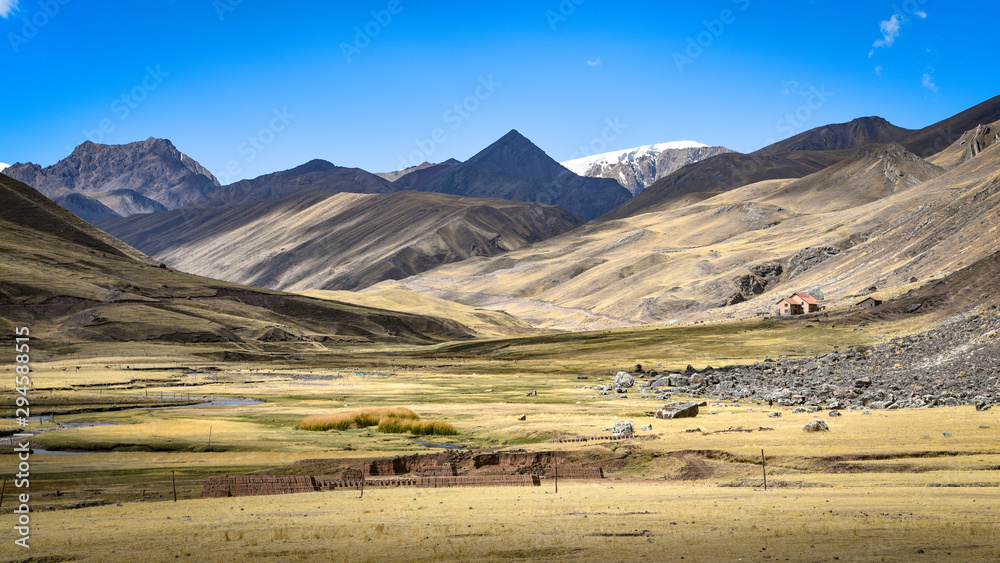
{"points": [[797, 304]]}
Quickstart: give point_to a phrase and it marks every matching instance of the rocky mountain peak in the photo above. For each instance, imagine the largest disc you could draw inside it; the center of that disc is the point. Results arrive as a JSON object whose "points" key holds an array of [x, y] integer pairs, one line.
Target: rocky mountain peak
{"points": [[153, 168]]}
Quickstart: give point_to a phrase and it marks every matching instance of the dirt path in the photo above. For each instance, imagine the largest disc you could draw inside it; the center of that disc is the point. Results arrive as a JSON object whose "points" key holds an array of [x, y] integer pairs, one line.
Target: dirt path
{"points": [[695, 467]]}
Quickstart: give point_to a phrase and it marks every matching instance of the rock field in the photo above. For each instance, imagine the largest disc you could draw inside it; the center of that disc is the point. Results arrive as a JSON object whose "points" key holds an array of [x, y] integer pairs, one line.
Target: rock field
{"points": [[957, 363]]}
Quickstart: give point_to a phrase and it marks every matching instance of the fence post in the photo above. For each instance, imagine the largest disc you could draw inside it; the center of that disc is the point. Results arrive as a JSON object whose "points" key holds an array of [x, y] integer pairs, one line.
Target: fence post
{"points": [[557, 472], [173, 481], [763, 468]]}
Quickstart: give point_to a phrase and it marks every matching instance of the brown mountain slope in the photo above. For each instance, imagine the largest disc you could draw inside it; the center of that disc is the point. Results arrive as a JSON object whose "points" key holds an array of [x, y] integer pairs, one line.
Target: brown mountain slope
{"points": [[342, 241], [153, 168], [968, 146], [851, 135], [878, 171], [725, 172], [935, 138], [804, 154], [70, 282], [684, 264]]}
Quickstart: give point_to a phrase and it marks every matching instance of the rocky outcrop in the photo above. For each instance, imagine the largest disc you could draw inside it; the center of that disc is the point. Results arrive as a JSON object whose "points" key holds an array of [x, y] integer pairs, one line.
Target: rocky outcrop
{"points": [[678, 410], [623, 428], [816, 426]]}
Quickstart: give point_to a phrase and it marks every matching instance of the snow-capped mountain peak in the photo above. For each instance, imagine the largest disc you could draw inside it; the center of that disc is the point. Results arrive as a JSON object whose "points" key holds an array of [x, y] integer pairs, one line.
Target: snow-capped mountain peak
{"points": [[582, 165], [636, 169]]}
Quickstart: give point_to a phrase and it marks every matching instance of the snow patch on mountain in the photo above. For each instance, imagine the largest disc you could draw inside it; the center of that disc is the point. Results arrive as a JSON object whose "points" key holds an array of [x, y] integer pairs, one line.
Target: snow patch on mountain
{"points": [[581, 166]]}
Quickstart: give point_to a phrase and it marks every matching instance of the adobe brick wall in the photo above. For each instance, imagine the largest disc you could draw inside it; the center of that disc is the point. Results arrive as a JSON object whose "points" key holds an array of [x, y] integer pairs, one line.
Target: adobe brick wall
{"points": [[248, 485], [478, 481]]}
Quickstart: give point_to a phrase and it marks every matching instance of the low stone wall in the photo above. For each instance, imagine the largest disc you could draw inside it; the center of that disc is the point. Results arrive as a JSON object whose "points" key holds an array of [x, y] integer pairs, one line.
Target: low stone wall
{"points": [[248, 485], [604, 438], [574, 472], [355, 484], [479, 481]]}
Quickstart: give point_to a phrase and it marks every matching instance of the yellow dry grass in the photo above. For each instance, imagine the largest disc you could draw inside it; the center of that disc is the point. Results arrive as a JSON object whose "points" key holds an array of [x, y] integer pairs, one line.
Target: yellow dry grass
{"points": [[584, 521]]}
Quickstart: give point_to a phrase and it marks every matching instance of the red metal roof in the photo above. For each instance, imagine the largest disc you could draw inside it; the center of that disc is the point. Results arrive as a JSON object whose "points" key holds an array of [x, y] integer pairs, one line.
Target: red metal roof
{"points": [[807, 298]]}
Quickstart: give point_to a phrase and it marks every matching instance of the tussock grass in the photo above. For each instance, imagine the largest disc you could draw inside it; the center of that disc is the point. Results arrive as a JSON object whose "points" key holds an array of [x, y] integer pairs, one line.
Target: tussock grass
{"points": [[416, 427], [352, 420]]}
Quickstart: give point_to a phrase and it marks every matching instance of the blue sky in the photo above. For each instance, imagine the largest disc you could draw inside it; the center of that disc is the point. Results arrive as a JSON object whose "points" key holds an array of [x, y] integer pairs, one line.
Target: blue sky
{"points": [[248, 87]]}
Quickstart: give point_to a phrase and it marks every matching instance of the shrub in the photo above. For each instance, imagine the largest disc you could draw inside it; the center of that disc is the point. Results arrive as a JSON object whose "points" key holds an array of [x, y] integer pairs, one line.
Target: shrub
{"points": [[363, 418], [416, 427]]}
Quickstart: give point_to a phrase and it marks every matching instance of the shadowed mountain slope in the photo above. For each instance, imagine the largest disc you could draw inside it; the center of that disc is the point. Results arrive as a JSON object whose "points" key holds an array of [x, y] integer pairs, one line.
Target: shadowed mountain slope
{"points": [[423, 175], [514, 168], [315, 176], [70, 282], [340, 241]]}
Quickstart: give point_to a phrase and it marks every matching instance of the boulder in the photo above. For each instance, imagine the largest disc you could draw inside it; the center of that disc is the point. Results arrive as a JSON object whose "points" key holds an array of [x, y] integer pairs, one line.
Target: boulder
{"points": [[835, 413], [647, 426], [678, 410], [774, 415], [816, 426], [623, 428], [532, 393], [523, 417], [622, 380], [981, 407]]}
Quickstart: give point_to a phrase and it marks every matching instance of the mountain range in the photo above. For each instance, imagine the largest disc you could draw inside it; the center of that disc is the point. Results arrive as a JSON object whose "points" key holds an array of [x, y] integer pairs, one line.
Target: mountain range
{"points": [[72, 283], [879, 218], [337, 241], [842, 210]]}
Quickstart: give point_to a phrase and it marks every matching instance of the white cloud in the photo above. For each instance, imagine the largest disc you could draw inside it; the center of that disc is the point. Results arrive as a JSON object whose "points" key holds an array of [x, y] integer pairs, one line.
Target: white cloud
{"points": [[890, 31], [3, 165], [928, 82], [6, 7], [878, 71], [921, 14], [595, 63]]}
